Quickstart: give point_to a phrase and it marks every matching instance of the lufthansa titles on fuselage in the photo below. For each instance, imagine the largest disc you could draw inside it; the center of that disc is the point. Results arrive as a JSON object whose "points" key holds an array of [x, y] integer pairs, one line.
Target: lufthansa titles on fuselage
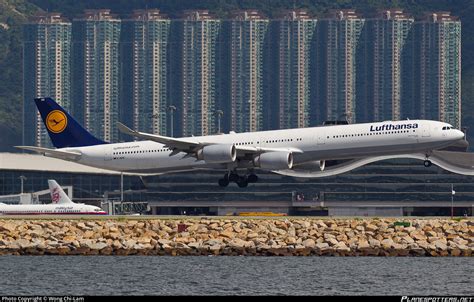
{"points": [[387, 127]]}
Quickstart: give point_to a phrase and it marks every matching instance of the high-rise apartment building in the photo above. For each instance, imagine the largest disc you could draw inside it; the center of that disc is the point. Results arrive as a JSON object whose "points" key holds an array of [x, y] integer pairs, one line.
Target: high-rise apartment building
{"points": [[145, 38], [200, 32], [296, 31], [248, 32], [379, 88], [338, 42], [47, 71], [438, 51], [96, 72]]}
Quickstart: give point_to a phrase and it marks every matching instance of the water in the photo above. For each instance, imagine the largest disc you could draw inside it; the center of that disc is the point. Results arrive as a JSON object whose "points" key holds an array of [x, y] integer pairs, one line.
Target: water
{"points": [[141, 275]]}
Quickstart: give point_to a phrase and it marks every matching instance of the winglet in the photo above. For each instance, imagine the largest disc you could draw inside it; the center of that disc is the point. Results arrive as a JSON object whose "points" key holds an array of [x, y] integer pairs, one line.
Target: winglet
{"points": [[124, 129]]}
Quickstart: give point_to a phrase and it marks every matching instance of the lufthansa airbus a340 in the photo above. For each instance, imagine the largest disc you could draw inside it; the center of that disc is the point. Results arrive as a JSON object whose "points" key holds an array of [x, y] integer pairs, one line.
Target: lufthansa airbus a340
{"points": [[277, 150]]}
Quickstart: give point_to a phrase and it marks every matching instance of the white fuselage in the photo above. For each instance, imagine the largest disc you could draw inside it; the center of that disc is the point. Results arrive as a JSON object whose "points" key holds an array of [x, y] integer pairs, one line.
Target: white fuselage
{"points": [[50, 209], [306, 145]]}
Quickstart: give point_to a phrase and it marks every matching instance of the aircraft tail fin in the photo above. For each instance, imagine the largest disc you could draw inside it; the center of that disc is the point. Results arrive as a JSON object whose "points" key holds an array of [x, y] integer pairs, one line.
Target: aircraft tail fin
{"points": [[58, 196], [63, 130]]}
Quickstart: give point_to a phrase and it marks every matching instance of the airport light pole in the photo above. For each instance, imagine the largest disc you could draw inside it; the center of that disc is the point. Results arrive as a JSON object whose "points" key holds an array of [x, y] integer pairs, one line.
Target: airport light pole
{"points": [[464, 129], [452, 200], [172, 109], [22, 178], [219, 114], [121, 187]]}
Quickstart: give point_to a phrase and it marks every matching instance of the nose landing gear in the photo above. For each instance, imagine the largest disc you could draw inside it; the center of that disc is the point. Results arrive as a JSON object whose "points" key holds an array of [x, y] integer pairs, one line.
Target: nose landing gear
{"points": [[427, 163]]}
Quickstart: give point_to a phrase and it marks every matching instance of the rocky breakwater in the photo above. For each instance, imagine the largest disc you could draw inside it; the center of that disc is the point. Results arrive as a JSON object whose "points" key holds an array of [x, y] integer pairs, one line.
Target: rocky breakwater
{"points": [[298, 237]]}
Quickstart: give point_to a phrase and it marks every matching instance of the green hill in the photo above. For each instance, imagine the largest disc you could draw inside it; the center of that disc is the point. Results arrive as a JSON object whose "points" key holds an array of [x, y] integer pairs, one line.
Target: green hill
{"points": [[12, 14]]}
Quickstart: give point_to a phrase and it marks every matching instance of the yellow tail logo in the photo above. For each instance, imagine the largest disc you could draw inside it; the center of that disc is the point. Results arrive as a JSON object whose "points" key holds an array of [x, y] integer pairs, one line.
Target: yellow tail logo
{"points": [[56, 121]]}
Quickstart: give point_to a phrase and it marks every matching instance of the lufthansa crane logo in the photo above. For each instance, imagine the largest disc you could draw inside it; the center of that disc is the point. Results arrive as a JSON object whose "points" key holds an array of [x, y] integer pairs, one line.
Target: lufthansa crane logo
{"points": [[56, 121]]}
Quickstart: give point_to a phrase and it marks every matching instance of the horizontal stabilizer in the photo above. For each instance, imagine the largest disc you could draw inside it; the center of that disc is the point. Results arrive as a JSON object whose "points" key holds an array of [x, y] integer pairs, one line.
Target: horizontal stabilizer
{"points": [[61, 154]]}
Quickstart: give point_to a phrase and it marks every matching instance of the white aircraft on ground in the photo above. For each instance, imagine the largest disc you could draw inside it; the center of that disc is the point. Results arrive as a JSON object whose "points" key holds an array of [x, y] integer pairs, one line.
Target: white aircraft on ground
{"points": [[279, 151], [61, 205]]}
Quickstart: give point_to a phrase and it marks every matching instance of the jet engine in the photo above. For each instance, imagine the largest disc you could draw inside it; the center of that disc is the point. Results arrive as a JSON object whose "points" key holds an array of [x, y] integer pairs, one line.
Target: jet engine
{"points": [[322, 165], [274, 160], [217, 153]]}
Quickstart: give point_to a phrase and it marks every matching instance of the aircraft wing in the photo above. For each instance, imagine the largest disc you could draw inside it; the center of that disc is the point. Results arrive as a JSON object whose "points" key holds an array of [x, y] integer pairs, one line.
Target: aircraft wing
{"points": [[188, 146], [67, 155]]}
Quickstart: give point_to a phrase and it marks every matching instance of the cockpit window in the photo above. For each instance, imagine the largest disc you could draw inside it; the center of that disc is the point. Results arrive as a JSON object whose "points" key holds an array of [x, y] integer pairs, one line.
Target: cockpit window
{"points": [[447, 127]]}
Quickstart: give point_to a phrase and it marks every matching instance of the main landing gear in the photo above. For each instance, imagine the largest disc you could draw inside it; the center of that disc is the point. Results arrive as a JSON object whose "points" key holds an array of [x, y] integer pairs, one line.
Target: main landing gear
{"points": [[241, 181], [427, 163]]}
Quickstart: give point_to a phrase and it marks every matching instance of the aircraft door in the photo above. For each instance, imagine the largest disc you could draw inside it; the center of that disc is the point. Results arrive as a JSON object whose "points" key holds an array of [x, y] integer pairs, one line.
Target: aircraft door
{"points": [[261, 141], [321, 139], [108, 154], [426, 131]]}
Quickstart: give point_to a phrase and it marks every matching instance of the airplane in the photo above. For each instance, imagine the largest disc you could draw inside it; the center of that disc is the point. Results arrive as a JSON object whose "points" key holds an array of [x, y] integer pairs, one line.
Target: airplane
{"points": [[61, 205], [279, 151]]}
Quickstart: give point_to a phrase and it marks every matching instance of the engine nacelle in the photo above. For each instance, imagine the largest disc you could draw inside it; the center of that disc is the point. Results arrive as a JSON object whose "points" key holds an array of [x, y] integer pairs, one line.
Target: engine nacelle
{"points": [[322, 165], [217, 153], [274, 160]]}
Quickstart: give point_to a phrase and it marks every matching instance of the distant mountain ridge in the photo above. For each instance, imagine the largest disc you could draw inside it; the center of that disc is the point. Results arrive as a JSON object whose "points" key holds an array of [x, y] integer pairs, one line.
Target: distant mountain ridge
{"points": [[12, 15], [14, 12]]}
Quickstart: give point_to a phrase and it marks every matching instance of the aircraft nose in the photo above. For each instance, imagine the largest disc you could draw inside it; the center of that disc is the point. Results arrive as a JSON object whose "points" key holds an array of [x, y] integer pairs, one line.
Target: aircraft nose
{"points": [[459, 134]]}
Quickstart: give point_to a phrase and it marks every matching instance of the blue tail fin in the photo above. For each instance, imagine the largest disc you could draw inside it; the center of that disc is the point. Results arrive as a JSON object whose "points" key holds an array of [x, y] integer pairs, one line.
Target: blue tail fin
{"points": [[63, 130]]}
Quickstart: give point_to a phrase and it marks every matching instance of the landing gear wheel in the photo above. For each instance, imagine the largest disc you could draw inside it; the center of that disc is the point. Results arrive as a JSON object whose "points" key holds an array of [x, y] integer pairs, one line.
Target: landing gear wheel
{"points": [[242, 182], [427, 163], [223, 182], [252, 178], [233, 177]]}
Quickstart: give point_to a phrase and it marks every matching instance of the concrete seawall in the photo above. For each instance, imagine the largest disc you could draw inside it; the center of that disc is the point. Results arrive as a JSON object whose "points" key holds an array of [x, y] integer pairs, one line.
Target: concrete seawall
{"points": [[229, 236]]}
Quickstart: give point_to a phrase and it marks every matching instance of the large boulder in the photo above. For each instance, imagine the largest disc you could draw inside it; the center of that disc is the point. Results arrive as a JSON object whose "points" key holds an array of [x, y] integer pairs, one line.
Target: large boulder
{"points": [[310, 243], [227, 234], [7, 226], [371, 228], [341, 247]]}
